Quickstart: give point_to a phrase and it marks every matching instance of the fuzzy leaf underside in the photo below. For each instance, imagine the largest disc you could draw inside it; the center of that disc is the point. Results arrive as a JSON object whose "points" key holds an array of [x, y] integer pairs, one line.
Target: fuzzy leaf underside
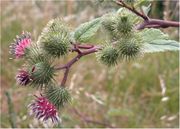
{"points": [[87, 30], [156, 41], [152, 34], [161, 45]]}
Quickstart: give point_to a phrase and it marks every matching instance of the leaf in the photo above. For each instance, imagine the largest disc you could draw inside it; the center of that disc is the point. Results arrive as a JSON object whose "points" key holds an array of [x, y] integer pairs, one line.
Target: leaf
{"points": [[142, 2], [146, 9], [156, 41], [149, 35], [161, 45], [86, 31]]}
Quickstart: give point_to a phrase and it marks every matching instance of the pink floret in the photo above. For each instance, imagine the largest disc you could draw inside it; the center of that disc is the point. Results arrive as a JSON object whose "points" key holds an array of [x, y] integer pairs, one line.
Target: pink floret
{"points": [[43, 109], [21, 43], [23, 77]]}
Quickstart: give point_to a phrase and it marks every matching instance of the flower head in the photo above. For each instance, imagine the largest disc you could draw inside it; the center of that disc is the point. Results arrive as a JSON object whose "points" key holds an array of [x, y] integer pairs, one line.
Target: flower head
{"points": [[18, 48], [108, 55], [43, 109], [59, 96], [23, 77], [42, 74]]}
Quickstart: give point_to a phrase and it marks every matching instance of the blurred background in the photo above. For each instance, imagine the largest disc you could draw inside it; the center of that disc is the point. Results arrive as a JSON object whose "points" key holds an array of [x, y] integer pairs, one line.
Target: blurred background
{"points": [[142, 93]]}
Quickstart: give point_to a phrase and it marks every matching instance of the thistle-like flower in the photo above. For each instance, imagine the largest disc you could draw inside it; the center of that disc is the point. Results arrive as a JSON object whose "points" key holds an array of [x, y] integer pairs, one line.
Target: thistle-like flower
{"points": [[109, 21], [130, 48], [23, 77], [18, 48], [59, 96], [55, 45], [124, 25], [44, 110], [55, 38], [42, 73], [108, 55], [109, 24]]}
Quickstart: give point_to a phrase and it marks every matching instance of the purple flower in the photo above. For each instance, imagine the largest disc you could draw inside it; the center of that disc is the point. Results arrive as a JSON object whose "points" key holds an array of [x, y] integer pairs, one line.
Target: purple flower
{"points": [[18, 48], [44, 110], [23, 77]]}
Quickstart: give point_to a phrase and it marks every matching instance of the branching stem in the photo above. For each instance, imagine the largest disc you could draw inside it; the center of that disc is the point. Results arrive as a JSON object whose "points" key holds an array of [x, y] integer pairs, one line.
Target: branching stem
{"points": [[89, 50]]}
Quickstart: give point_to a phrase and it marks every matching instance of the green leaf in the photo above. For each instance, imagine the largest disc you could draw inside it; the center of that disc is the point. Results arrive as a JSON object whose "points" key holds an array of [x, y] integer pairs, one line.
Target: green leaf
{"points": [[156, 41], [149, 35], [146, 9], [142, 2], [87, 30], [161, 45]]}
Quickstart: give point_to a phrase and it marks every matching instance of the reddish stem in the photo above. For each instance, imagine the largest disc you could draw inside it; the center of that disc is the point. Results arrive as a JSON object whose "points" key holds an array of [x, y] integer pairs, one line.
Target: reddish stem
{"points": [[85, 46], [75, 59], [156, 23], [77, 47]]}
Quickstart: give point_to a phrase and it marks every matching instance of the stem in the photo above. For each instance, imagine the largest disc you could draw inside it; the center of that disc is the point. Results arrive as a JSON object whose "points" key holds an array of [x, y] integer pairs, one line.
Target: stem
{"points": [[156, 23], [67, 67], [12, 115], [85, 46], [77, 47], [65, 77], [90, 49]]}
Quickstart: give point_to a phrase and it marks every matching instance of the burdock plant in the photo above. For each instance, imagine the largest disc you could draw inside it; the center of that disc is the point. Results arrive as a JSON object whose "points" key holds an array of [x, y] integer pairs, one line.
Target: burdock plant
{"points": [[127, 34]]}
